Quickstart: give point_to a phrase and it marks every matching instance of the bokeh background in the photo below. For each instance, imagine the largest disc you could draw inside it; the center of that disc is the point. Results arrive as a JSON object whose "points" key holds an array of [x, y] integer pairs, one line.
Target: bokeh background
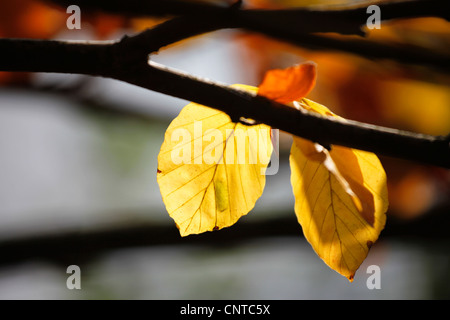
{"points": [[78, 163]]}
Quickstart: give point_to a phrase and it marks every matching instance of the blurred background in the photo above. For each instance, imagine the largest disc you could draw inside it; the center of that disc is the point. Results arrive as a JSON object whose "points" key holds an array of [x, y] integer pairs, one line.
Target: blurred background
{"points": [[78, 172]]}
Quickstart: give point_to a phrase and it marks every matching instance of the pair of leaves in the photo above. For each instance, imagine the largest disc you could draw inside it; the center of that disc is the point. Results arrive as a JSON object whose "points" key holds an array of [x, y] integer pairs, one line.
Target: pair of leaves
{"points": [[340, 195]]}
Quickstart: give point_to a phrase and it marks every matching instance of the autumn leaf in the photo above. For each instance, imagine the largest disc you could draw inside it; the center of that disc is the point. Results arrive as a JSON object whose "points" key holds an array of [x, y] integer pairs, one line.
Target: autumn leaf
{"points": [[331, 221], [287, 85], [340, 199], [210, 169]]}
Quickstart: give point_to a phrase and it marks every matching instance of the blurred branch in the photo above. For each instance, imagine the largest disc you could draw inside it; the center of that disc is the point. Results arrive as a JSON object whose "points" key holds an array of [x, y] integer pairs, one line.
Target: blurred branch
{"points": [[184, 27], [139, 8], [125, 61], [292, 25], [76, 245], [345, 20]]}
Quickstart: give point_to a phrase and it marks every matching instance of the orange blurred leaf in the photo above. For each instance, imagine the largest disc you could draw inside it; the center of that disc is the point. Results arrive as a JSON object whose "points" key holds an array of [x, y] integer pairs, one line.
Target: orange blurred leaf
{"points": [[287, 85]]}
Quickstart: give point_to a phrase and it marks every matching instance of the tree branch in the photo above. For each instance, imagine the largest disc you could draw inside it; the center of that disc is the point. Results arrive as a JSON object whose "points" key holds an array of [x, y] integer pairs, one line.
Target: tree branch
{"points": [[55, 56], [111, 60], [81, 246], [186, 26], [126, 60], [339, 19], [139, 8], [291, 25]]}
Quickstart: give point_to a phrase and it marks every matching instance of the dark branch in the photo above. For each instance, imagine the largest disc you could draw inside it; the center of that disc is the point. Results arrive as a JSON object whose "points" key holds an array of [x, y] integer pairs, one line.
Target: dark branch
{"points": [[110, 60], [81, 246], [324, 130], [55, 56], [127, 61], [404, 54], [345, 19], [187, 26], [139, 8]]}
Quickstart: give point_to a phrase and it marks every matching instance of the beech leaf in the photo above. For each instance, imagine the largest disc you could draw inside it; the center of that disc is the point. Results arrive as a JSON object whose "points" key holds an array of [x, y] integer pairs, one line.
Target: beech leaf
{"points": [[340, 199], [210, 169]]}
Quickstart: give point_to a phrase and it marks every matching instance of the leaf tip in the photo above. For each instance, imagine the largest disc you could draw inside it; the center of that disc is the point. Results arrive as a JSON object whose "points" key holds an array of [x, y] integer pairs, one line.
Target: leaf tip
{"points": [[351, 277], [182, 233]]}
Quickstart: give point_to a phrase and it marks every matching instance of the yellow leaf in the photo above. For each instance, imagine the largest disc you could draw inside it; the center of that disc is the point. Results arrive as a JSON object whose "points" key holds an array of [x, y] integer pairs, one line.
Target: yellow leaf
{"points": [[210, 169], [340, 199]]}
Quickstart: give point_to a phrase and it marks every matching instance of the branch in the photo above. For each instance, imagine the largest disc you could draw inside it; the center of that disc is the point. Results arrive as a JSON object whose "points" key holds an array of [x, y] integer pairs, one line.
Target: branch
{"points": [[75, 245], [113, 60], [55, 56], [300, 35], [139, 8], [405, 54], [337, 18], [309, 125]]}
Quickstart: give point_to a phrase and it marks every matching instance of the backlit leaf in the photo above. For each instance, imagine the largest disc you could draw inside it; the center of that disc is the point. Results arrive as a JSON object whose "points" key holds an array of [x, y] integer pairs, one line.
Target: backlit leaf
{"points": [[340, 199], [210, 169]]}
